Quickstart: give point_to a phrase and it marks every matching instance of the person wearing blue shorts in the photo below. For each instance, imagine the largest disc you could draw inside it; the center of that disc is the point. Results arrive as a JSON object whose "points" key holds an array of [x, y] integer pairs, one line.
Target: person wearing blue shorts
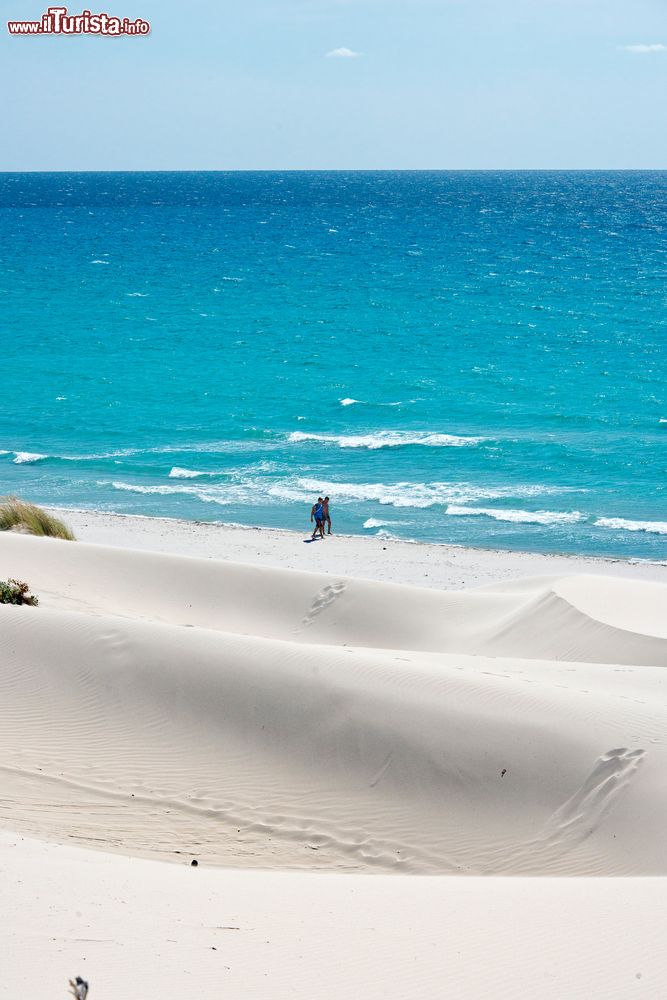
{"points": [[317, 515]]}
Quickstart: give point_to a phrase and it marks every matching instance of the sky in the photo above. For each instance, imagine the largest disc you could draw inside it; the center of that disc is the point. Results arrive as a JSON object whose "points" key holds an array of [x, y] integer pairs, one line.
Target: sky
{"points": [[341, 84]]}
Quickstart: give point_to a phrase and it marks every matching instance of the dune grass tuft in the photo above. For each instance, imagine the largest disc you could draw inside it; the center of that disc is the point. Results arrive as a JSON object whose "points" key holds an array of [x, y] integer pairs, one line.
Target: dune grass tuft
{"points": [[17, 515]]}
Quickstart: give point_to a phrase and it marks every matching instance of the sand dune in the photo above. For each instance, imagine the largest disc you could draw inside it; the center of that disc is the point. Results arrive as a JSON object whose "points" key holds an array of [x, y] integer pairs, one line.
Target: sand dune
{"points": [[254, 717]]}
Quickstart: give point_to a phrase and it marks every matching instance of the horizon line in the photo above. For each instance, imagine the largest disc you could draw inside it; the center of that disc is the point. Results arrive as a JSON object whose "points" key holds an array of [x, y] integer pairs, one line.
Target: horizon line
{"points": [[335, 170]]}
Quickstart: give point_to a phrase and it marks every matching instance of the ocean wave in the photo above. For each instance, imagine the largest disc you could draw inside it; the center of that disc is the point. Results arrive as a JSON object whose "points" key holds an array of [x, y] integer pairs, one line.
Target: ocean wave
{"points": [[387, 439], [158, 490], [177, 473], [375, 522], [28, 458], [348, 401], [244, 488], [221, 495], [214, 447], [100, 456], [404, 494], [518, 516], [622, 524], [207, 448]]}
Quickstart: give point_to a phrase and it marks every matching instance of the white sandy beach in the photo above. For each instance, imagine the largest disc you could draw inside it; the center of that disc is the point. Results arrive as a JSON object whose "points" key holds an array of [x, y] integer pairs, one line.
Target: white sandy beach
{"points": [[404, 770], [446, 567]]}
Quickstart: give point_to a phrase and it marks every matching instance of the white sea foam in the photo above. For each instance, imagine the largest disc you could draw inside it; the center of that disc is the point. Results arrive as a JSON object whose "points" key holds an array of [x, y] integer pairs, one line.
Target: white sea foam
{"points": [[518, 516], [244, 486], [222, 495], [622, 524], [375, 522], [213, 447], [99, 262], [162, 490], [404, 494], [120, 453], [387, 439], [177, 473], [136, 295], [28, 458], [348, 401]]}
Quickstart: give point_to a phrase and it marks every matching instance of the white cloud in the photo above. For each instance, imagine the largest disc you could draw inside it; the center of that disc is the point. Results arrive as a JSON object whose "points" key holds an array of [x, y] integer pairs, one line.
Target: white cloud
{"points": [[343, 54], [644, 48]]}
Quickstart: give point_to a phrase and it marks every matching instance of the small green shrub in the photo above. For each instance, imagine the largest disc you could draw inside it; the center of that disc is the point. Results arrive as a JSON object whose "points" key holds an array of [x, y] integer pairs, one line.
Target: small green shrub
{"points": [[16, 592], [17, 515]]}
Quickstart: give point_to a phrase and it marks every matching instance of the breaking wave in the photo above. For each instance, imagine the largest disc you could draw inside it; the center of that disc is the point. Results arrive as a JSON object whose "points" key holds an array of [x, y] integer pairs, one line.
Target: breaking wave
{"points": [[31, 458], [518, 516], [622, 524], [245, 489], [222, 495], [28, 458], [177, 473], [405, 494], [387, 439]]}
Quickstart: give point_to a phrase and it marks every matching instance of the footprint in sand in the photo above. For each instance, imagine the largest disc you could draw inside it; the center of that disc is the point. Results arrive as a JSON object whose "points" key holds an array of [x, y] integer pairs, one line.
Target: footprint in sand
{"points": [[323, 599], [578, 817], [582, 813]]}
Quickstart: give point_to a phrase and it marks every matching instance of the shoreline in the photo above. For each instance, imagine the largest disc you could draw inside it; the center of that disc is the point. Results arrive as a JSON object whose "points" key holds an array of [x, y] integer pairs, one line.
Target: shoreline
{"points": [[392, 560]]}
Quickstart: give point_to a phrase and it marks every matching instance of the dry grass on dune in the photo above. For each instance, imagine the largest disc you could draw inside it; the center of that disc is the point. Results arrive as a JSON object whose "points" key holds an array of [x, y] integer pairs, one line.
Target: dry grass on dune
{"points": [[17, 515]]}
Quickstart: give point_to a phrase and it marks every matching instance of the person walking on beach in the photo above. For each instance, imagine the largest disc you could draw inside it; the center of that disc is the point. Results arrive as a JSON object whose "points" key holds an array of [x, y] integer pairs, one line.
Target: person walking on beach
{"points": [[327, 515], [317, 515]]}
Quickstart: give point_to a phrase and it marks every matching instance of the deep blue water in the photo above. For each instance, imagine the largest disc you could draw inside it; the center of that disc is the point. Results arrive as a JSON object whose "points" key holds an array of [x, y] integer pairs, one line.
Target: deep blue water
{"points": [[475, 358]]}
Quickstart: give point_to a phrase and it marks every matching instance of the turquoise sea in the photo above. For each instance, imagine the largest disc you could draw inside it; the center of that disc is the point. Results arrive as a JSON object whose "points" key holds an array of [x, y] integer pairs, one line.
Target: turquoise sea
{"points": [[476, 358]]}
